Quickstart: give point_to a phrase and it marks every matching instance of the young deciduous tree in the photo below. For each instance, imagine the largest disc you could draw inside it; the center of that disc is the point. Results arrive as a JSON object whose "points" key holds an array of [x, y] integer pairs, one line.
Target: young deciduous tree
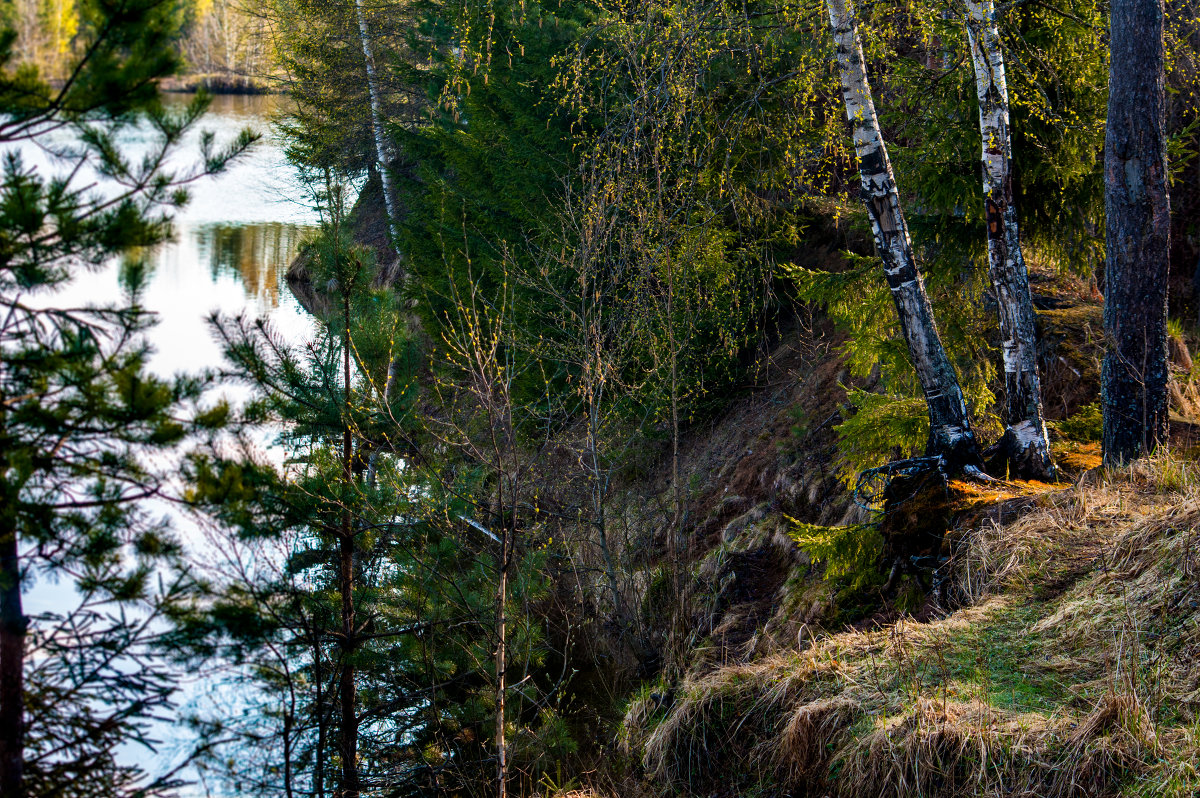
{"points": [[1137, 236], [382, 162]]}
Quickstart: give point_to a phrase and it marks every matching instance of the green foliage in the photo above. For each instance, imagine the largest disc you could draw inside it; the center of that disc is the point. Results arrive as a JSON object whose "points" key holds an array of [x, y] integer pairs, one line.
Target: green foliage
{"points": [[596, 203], [488, 171], [108, 67], [423, 569], [857, 300], [668, 218], [850, 554], [800, 423], [539, 176], [1085, 425], [1056, 69], [879, 428], [891, 418], [87, 434], [320, 49]]}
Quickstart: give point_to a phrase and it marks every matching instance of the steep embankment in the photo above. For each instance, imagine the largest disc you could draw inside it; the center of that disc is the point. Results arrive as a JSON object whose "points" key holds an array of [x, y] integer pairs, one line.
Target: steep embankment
{"points": [[757, 475], [1069, 670], [1062, 672], [1052, 659]]}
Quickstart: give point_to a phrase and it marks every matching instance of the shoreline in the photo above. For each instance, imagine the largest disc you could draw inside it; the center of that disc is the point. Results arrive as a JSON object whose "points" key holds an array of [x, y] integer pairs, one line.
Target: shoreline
{"points": [[217, 84]]}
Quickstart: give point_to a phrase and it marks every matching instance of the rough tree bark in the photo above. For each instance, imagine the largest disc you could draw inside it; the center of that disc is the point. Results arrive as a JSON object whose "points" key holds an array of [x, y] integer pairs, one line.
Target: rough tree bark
{"points": [[347, 678], [950, 433], [382, 161], [501, 659], [321, 717], [12, 660], [1025, 445], [1135, 373]]}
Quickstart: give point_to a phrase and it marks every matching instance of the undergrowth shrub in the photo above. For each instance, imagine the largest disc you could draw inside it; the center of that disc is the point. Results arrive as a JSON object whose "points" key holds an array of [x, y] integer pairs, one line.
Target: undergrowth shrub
{"points": [[1085, 425], [881, 425], [891, 419], [850, 554]]}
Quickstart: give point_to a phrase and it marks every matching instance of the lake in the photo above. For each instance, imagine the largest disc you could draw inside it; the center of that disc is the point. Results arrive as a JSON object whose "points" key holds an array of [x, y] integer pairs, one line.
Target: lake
{"points": [[230, 253], [233, 241]]}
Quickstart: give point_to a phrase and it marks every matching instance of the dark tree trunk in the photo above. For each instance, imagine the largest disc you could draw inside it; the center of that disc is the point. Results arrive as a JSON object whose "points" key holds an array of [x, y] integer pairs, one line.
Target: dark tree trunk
{"points": [[321, 716], [501, 663], [1135, 373], [950, 433], [347, 688], [12, 664]]}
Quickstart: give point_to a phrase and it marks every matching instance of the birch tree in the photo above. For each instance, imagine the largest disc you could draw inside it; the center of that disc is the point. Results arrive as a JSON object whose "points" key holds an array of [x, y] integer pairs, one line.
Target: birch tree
{"points": [[1025, 444], [1137, 235], [381, 149], [950, 433], [385, 177]]}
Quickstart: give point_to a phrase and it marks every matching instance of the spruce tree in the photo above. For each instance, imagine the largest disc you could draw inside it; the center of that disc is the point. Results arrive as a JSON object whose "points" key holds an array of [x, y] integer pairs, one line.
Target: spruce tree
{"points": [[373, 607]]}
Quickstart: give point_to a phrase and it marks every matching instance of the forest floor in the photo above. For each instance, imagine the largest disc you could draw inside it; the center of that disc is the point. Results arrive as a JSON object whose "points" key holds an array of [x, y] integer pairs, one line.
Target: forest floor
{"points": [[1055, 656], [1067, 668]]}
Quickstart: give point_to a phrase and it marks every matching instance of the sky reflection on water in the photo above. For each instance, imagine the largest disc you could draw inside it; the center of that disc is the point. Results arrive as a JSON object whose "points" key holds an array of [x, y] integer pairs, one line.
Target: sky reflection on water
{"points": [[233, 240], [232, 246]]}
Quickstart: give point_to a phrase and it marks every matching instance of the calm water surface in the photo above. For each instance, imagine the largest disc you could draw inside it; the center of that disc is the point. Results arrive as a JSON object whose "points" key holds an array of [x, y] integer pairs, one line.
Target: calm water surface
{"points": [[233, 240], [231, 250]]}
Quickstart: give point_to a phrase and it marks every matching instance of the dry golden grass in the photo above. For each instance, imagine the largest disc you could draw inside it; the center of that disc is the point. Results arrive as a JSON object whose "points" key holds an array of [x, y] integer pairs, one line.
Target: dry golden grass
{"points": [[1071, 671]]}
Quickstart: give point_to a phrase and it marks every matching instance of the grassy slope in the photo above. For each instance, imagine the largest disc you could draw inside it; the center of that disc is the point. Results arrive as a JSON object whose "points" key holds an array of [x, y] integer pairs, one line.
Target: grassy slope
{"points": [[1044, 682], [1070, 670]]}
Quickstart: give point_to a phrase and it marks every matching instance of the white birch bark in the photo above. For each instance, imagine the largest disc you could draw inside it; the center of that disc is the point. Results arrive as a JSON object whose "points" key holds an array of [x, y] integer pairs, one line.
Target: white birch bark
{"points": [[1026, 445], [385, 183], [381, 148], [950, 433]]}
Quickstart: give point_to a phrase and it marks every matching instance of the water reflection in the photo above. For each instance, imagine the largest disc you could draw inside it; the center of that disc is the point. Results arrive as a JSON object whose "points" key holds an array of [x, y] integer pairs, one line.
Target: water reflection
{"points": [[221, 267], [258, 254], [232, 246], [233, 242]]}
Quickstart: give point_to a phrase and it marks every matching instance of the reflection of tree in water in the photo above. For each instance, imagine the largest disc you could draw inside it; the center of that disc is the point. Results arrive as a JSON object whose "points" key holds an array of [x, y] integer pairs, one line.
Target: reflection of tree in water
{"points": [[258, 254]]}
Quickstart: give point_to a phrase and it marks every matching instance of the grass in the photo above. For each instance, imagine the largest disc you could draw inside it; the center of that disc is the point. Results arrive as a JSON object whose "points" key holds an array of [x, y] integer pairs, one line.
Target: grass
{"points": [[1068, 670]]}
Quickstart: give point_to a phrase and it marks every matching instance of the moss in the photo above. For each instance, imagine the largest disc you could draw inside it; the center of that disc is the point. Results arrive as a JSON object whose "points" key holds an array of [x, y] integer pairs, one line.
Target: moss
{"points": [[910, 596], [1072, 348], [1000, 661]]}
